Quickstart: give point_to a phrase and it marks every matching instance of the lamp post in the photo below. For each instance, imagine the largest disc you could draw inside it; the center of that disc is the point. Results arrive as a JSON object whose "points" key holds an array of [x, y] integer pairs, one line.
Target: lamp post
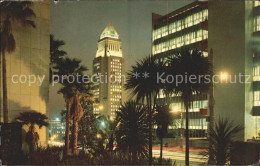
{"points": [[176, 110]]}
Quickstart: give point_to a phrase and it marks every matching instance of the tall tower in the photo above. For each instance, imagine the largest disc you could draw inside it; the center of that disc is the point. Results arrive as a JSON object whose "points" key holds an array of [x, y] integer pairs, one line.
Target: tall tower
{"points": [[108, 71]]}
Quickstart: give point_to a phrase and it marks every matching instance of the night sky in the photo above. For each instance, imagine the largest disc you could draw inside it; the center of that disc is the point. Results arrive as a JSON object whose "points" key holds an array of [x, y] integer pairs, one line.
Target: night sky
{"points": [[80, 25]]}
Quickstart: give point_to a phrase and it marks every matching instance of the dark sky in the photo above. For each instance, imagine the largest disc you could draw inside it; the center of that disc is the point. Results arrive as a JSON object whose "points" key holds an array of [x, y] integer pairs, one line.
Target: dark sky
{"points": [[80, 25]]}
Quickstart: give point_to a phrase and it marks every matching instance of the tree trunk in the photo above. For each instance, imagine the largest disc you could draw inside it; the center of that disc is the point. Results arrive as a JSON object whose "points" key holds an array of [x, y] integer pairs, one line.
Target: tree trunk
{"points": [[75, 136], [0, 83], [67, 134], [5, 100], [187, 137], [150, 130], [211, 113], [161, 151]]}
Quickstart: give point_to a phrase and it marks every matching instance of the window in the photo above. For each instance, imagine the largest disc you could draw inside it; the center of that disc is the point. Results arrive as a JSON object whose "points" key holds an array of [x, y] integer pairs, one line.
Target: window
{"points": [[257, 3], [257, 98]]}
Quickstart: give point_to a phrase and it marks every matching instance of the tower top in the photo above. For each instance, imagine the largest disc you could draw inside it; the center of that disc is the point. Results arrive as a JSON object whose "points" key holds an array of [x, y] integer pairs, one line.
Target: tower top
{"points": [[109, 32]]}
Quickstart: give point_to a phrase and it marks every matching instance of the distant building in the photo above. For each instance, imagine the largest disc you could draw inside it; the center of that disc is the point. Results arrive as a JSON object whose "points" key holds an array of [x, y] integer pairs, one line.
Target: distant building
{"points": [[31, 57], [56, 131], [109, 71], [230, 31]]}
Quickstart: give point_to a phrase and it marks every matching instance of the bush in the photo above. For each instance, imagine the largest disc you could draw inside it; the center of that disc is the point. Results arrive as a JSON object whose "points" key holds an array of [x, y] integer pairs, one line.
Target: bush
{"points": [[46, 156], [54, 156]]}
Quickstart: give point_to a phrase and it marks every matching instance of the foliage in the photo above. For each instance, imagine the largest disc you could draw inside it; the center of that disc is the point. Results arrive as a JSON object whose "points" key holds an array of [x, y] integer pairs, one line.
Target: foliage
{"points": [[163, 119], [132, 132], [46, 156], [54, 156], [140, 85], [189, 63], [56, 54], [73, 92], [32, 118], [87, 126], [142, 80], [222, 135]]}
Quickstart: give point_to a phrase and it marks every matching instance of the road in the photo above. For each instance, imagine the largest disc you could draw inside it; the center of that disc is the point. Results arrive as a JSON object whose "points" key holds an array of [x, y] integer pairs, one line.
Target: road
{"points": [[179, 156]]}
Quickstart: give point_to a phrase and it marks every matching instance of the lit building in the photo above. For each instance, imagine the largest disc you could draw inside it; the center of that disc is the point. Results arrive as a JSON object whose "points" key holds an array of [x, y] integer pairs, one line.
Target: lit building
{"points": [[109, 70], [186, 26], [230, 31], [31, 57], [56, 131]]}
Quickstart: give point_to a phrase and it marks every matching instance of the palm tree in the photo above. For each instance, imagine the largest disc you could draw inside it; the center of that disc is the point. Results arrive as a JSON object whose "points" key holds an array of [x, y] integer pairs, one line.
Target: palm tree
{"points": [[11, 12], [133, 130], [72, 92], [163, 118], [222, 135], [189, 63], [142, 80], [87, 129], [56, 54], [32, 118]]}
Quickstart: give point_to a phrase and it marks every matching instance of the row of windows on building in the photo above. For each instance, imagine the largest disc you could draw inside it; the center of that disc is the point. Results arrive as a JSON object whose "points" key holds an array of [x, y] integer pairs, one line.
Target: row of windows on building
{"points": [[114, 47], [179, 25], [257, 3], [196, 106], [186, 39], [256, 77], [193, 123], [257, 23]]}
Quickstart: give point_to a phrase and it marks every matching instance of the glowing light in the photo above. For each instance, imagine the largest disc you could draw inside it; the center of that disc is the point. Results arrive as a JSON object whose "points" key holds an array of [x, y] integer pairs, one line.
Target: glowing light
{"points": [[175, 109], [103, 124], [98, 135], [100, 107], [112, 118], [223, 76], [57, 119]]}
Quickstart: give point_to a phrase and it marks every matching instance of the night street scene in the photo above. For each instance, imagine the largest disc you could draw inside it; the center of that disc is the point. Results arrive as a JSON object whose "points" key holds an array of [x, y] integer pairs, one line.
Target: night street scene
{"points": [[130, 82]]}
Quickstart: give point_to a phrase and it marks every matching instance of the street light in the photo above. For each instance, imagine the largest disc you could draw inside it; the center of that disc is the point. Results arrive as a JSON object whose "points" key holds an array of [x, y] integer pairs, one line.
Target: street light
{"points": [[223, 76], [175, 109], [100, 107], [98, 136], [103, 124]]}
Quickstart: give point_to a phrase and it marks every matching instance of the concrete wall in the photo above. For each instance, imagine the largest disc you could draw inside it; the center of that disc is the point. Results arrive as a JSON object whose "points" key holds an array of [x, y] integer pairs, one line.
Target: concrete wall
{"points": [[31, 57], [228, 37]]}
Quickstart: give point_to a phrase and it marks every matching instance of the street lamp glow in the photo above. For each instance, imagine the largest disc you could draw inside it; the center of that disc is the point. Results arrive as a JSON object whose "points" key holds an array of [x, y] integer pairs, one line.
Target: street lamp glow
{"points": [[100, 107], [112, 118], [103, 124], [175, 109], [223, 76], [98, 135]]}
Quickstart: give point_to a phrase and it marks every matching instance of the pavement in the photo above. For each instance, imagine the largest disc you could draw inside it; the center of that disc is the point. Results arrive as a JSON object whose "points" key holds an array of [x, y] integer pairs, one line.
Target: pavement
{"points": [[178, 154]]}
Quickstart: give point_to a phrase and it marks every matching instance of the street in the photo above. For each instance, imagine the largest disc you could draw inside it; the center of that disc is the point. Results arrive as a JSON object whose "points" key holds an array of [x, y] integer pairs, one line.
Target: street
{"points": [[179, 156]]}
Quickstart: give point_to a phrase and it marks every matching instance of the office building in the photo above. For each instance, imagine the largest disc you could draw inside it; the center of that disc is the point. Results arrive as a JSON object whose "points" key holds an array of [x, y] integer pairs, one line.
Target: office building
{"points": [[229, 30], [109, 70], [31, 57]]}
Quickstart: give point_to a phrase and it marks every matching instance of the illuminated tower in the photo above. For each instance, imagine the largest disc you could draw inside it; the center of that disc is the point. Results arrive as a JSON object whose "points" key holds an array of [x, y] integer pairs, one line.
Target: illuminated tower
{"points": [[109, 71]]}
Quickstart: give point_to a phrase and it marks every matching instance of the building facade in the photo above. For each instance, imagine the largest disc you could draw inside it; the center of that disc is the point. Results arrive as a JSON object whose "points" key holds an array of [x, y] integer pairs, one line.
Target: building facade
{"points": [[56, 131], [31, 57], [109, 71], [186, 26], [229, 30]]}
